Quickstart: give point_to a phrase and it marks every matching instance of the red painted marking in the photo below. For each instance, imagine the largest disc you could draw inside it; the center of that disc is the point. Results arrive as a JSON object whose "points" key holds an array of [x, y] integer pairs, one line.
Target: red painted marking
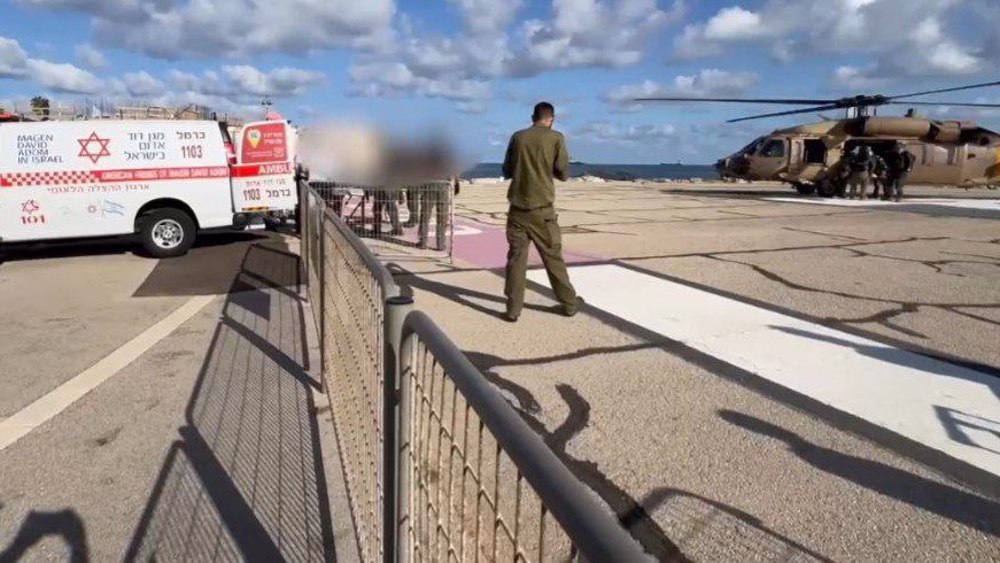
{"points": [[489, 248], [11, 179], [250, 170]]}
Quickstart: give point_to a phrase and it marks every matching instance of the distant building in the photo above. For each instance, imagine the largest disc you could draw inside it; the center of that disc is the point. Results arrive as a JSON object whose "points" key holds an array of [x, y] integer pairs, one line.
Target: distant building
{"points": [[104, 109]]}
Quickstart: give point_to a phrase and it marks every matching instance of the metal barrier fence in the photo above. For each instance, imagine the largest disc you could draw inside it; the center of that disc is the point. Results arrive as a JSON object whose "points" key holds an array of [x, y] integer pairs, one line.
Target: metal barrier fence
{"points": [[411, 221], [438, 466]]}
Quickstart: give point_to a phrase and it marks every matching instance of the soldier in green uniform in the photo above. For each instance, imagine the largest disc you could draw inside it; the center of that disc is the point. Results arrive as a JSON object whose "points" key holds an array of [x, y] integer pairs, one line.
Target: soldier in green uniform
{"points": [[534, 156]]}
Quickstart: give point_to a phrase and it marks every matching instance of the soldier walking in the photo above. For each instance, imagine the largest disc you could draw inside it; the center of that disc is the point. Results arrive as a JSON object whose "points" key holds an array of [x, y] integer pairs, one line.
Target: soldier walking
{"points": [[534, 156], [900, 164]]}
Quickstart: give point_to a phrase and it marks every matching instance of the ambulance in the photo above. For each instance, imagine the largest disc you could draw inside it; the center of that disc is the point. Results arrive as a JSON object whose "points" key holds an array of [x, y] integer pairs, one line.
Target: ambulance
{"points": [[165, 181]]}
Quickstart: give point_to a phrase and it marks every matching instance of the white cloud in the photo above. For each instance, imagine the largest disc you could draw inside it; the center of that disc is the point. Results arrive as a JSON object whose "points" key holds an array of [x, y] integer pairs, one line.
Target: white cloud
{"points": [[13, 59], [64, 77], [580, 33], [120, 10], [244, 85], [906, 37], [381, 79], [645, 134], [225, 28], [58, 77], [456, 69], [857, 79], [279, 82], [734, 24], [710, 82], [90, 57], [590, 33], [142, 85]]}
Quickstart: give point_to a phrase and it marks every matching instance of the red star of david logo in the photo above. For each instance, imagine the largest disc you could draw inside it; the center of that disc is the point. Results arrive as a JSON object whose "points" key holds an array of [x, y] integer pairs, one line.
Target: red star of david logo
{"points": [[94, 147], [30, 206]]}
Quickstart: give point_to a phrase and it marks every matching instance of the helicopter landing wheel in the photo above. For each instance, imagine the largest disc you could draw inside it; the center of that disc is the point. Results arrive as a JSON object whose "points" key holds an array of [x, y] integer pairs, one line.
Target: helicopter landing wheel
{"points": [[805, 189]]}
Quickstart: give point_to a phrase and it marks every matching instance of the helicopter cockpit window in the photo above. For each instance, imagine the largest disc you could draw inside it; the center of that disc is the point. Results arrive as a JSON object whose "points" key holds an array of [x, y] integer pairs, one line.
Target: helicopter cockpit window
{"points": [[752, 147], [773, 148]]}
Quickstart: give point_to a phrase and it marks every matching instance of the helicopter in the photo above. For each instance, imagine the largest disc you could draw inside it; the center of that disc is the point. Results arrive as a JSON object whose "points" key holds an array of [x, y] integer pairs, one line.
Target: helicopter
{"points": [[809, 156]]}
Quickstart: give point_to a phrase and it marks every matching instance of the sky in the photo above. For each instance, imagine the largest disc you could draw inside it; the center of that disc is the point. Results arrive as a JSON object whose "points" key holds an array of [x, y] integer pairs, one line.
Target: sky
{"points": [[472, 69]]}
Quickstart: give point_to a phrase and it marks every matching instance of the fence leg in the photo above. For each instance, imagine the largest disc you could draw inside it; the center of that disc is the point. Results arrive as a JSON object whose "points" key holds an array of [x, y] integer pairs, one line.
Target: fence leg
{"points": [[321, 231], [396, 310], [304, 232]]}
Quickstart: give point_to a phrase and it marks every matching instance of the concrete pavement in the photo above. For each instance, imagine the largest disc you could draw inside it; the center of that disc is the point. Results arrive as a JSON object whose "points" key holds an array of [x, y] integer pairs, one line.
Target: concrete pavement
{"points": [[212, 442], [209, 445], [679, 441]]}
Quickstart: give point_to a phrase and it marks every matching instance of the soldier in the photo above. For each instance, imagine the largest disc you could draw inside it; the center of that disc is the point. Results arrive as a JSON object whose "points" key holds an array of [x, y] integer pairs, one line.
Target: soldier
{"points": [[534, 156], [879, 176], [383, 200], [900, 164], [859, 164]]}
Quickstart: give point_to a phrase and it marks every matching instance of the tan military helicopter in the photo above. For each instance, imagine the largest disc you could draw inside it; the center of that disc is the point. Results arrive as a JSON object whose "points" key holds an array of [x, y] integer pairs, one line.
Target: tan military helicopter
{"points": [[947, 153]]}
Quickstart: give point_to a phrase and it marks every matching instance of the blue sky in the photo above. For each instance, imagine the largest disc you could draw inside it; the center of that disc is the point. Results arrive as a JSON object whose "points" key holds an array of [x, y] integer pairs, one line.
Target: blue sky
{"points": [[475, 67]]}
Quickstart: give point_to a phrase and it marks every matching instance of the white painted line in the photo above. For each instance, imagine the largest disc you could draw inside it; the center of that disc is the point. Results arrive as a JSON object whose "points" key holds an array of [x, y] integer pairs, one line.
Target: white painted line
{"points": [[34, 415], [943, 406], [985, 204]]}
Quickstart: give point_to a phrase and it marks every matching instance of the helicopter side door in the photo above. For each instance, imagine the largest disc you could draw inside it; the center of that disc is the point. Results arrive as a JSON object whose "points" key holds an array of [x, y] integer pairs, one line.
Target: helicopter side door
{"points": [[771, 159], [807, 160]]}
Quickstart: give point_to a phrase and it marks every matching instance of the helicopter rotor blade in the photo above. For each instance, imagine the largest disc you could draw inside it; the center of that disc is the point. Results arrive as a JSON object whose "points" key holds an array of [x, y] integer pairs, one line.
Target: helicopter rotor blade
{"points": [[740, 100], [958, 105], [956, 89], [792, 112]]}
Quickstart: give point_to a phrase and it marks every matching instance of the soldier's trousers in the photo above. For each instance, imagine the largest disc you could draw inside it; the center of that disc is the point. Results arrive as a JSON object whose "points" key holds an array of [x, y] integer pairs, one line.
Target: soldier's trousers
{"points": [[857, 183], [895, 186], [434, 198], [384, 200], [413, 206], [541, 227]]}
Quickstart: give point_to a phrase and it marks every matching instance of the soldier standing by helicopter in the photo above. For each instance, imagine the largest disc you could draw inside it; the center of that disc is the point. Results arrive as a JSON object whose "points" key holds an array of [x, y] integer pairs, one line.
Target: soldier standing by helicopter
{"points": [[859, 164], [880, 177], [900, 164]]}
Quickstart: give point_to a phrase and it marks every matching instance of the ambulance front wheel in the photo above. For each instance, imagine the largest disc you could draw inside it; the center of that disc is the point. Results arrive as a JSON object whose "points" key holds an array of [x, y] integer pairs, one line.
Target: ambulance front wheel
{"points": [[167, 232]]}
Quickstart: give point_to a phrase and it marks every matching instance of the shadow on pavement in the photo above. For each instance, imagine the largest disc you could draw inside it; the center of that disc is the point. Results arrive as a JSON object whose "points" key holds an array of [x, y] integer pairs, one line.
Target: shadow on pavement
{"points": [[473, 299], [207, 269], [958, 424], [105, 246], [37, 526], [245, 481], [696, 527], [739, 193], [630, 513], [949, 502], [708, 530]]}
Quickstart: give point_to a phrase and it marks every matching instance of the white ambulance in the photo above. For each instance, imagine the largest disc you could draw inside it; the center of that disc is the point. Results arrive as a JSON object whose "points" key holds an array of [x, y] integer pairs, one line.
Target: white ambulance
{"points": [[163, 180]]}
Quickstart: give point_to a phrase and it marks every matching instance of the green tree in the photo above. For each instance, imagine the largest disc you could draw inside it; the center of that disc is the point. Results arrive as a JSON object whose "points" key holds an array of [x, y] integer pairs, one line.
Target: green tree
{"points": [[40, 106]]}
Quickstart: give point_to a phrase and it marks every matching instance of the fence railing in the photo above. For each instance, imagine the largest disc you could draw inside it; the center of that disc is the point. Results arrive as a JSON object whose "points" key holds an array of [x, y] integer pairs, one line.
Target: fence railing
{"points": [[438, 466], [407, 221]]}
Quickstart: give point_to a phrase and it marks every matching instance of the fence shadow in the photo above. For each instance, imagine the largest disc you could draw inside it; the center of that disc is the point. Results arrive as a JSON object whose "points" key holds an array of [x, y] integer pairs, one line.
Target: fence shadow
{"points": [[708, 530], [37, 526], [245, 478], [946, 501]]}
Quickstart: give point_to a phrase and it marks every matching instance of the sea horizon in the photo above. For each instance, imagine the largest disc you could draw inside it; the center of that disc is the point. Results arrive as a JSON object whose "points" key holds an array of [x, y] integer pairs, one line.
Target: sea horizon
{"points": [[612, 171]]}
